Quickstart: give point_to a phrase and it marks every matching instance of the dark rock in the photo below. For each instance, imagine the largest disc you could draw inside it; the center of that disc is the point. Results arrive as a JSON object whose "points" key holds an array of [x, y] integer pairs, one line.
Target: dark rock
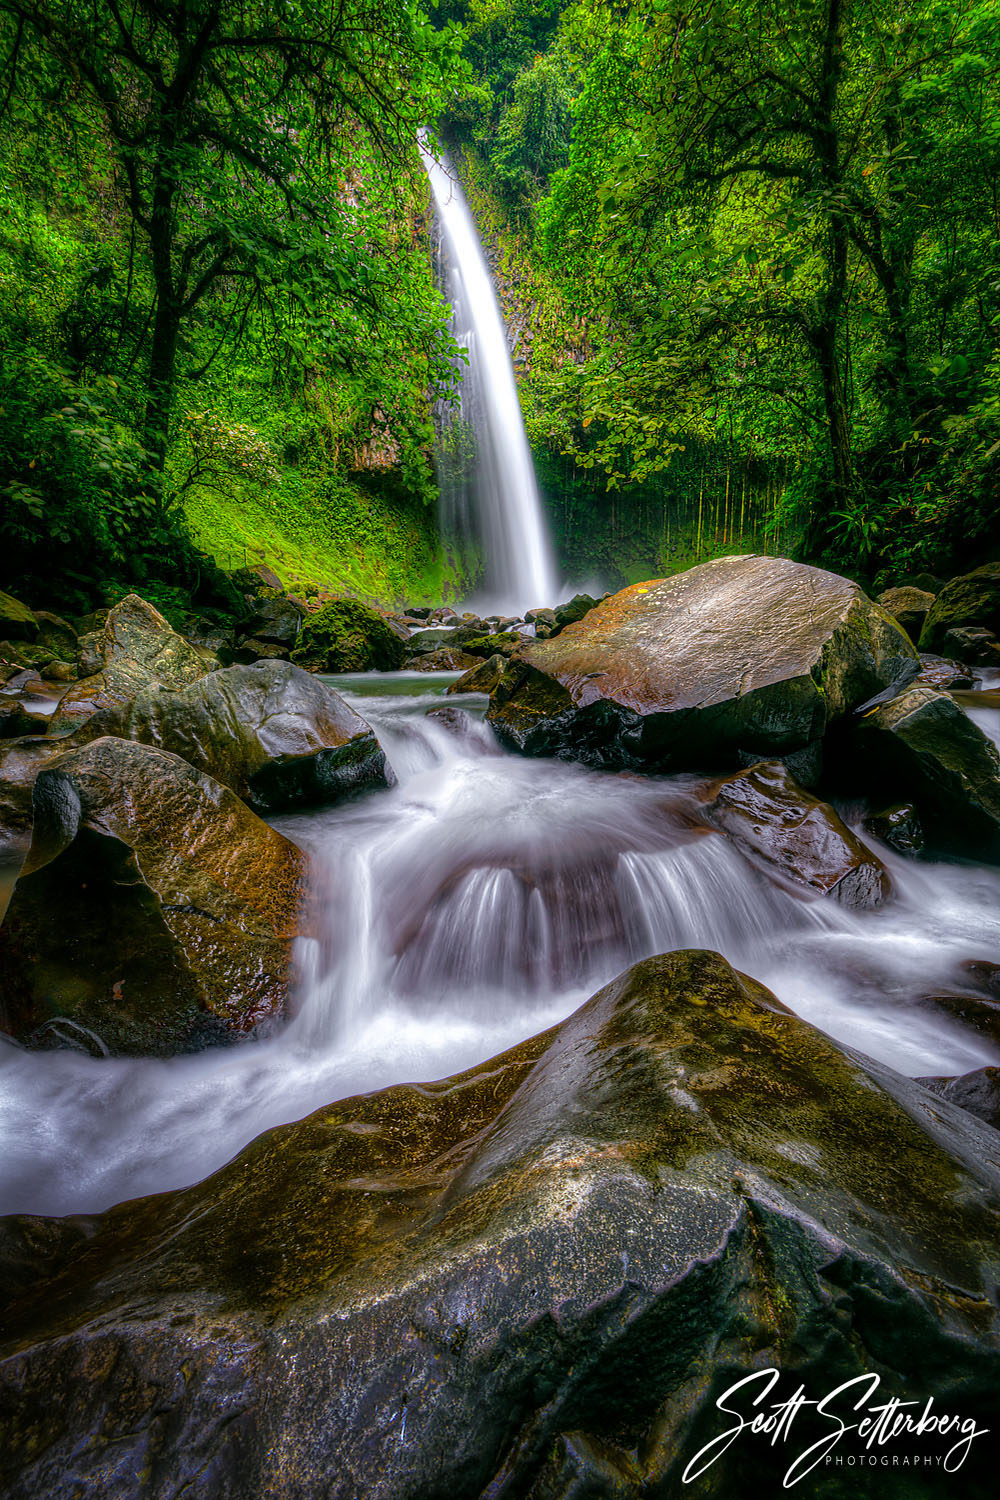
{"points": [[89, 658], [544, 621], [972, 644], [482, 678], [348, 636], [274, 619], [257, 580], [922, 747], [442, 615], [271, 733], [938, 672], [444, 660], [548, 1267], [94, 622], [421, 612], [20, 762], [59, 671], [908, 606], [17, 720], [575, 609], [250, 651], [500, 643], [977, 1092], [795, 836], [443, 638], [136, 649], [26, 654], [475, 622], [982, 974], [898, 826], [17, 623], [973, 599], [740, 658], [57, 633], [154, 908], [924, 581], [980, 1015]]}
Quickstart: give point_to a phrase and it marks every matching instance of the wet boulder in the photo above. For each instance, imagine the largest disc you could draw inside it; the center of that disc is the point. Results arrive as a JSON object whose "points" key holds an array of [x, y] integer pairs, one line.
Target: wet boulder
{"points": [[155, 910], [16, 719], [561, 1258], [977, 1092], [898, 826], [734, 660], [17, 622], [274, 618], [908, 606], [134, 649], [348, 636], [21, 759], [795, 837], [482, 678], [973, 644], [921, 746], [972, 599], [942, 673], [272, 733], [57, 633], [430, 639], [574, 609], [445, 660]]}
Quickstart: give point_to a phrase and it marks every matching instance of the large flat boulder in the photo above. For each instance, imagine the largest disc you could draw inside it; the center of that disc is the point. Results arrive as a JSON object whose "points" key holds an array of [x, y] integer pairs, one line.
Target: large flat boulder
{"points": [[972, 599], [732, 661], [155, 910], [795, 837], [535, 1279], [134, 649], [921, 746], [271, 732]]}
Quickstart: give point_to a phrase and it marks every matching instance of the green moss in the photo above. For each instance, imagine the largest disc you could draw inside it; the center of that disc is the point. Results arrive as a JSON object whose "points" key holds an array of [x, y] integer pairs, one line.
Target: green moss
{"points": [[348, 636]]}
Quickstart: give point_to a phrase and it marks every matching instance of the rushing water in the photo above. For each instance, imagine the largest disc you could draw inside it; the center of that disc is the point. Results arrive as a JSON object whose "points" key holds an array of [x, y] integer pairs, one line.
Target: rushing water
{"points": [[498, 504], [474, 904]]}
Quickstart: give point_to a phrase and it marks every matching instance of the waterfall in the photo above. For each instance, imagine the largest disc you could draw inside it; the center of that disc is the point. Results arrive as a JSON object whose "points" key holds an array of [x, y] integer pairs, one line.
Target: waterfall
{"points": [[497, 503]]}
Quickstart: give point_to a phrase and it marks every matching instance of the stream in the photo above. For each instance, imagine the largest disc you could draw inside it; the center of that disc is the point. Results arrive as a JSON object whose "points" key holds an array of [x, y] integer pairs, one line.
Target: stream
{"points": [[475, 903]]}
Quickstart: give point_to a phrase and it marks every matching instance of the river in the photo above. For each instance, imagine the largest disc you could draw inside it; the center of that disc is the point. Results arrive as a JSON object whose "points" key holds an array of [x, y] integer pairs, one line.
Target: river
{"points": [[475, 903]]}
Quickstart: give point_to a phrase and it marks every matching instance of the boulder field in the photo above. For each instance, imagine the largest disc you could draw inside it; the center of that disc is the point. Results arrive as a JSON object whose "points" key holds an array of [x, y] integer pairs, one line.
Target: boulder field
{"points": [[535, 1279], [732, 661]]}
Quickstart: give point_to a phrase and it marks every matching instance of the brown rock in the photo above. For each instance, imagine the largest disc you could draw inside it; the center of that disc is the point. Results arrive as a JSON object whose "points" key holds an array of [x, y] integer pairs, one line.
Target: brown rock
{"points": [[482, 678], [795, 836], [909, 607], [137, 648], [736, 658], [154, 908]]}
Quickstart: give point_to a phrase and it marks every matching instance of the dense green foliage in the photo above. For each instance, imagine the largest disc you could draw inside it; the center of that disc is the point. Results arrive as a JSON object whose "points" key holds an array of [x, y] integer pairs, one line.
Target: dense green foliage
{"points": [[775, 223], [216, 304]]}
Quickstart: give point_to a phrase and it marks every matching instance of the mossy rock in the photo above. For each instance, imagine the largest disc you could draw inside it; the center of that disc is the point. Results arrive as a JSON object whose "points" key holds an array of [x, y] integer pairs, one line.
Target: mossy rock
{"points": [[972, 599], [17, 623], [562, 1257], [348, 636]]}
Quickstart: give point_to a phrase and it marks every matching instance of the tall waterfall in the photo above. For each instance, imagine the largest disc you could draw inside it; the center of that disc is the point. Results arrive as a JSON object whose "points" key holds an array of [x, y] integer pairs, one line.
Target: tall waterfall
{"points": [[497, 503]]}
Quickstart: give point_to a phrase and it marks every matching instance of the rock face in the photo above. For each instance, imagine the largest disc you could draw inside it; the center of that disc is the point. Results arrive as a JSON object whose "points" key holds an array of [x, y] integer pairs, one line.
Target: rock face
{"points": [[908, 606], [275, 620], [921, 746], [348, 636], [973, 599], [898, 826], [271, 733], [737, 659], [530, 1280], [154, 908], [136, 648], [20, 762], [17, 623], [939, 672], [978, 1092], [796, 837]]}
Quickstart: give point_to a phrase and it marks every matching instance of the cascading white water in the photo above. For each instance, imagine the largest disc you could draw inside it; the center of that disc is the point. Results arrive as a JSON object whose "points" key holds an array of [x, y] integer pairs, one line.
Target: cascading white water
{"points": [[498, 503], [476, 903]]}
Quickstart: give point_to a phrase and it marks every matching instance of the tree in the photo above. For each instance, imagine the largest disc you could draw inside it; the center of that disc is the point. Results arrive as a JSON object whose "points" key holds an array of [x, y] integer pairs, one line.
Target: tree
{"points": [[245, 137]]}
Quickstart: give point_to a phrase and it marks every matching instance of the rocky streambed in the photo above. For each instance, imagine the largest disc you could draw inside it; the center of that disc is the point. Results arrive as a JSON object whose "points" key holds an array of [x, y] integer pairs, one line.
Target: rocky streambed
{"points": [[692, 997]]}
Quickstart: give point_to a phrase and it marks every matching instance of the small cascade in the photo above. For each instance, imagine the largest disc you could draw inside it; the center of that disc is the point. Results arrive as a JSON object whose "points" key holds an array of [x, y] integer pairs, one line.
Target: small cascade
{"points": [[493, 499]]}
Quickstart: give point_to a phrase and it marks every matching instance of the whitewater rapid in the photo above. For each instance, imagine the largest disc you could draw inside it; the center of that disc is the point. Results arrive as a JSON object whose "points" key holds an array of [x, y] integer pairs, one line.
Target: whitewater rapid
{"points": [[474, 904]]}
